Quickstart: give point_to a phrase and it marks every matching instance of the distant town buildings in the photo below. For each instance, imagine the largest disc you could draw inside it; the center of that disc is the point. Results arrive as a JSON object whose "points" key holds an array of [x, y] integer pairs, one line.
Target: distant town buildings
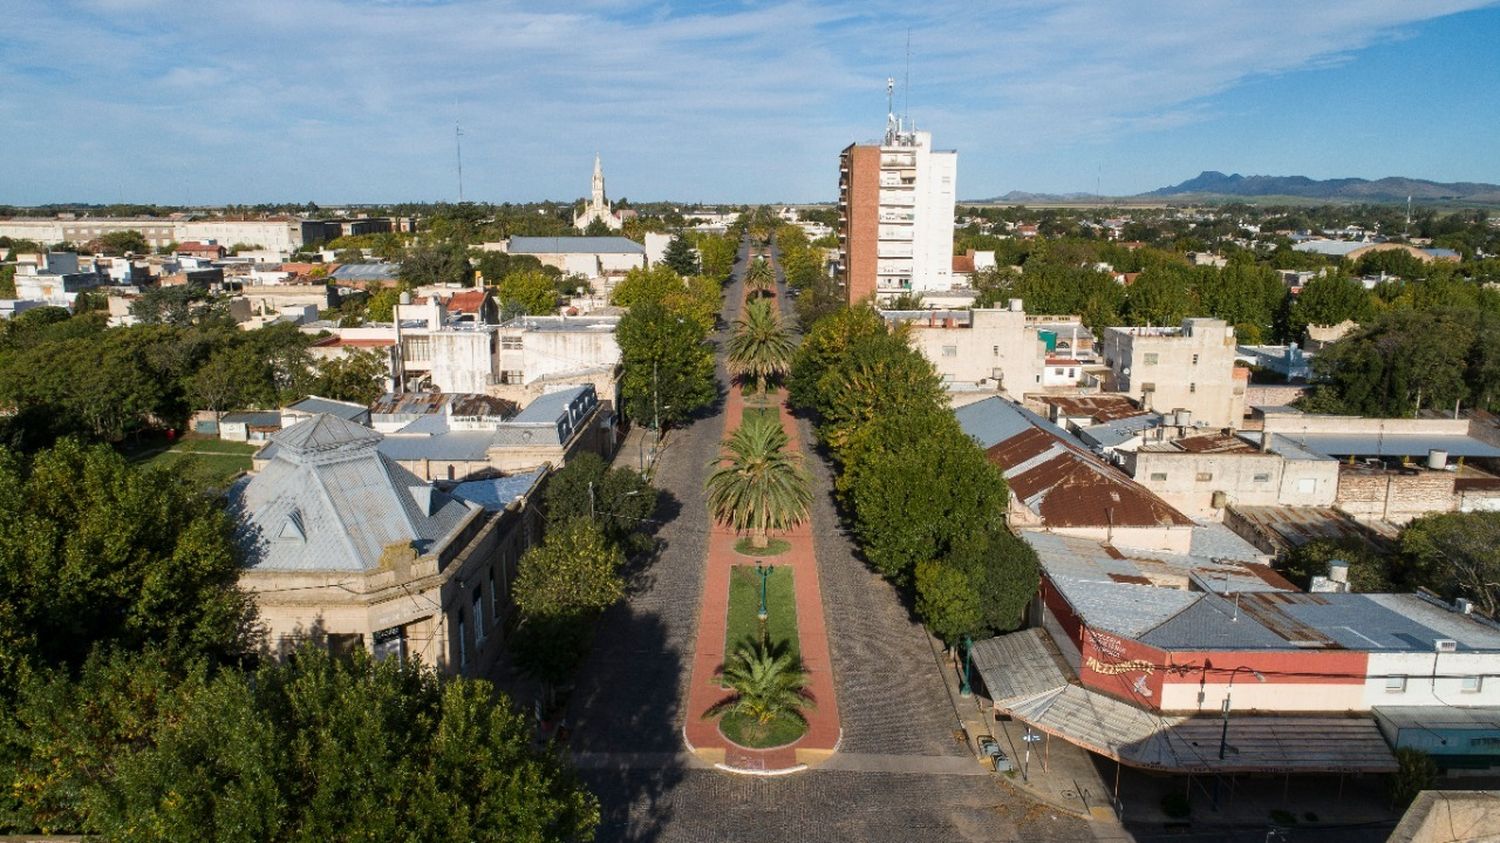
{"points": [[896, 200]]}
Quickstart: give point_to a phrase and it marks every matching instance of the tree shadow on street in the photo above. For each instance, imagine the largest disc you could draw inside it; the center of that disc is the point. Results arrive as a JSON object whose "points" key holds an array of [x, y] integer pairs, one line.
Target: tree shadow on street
{"points": [[626, 703]]}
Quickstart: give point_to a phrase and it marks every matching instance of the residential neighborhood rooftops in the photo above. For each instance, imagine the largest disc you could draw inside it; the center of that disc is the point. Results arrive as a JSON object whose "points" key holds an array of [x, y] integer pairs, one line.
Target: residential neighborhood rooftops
{"points": [[1116, 432], [574, 245], [1277, 529]]}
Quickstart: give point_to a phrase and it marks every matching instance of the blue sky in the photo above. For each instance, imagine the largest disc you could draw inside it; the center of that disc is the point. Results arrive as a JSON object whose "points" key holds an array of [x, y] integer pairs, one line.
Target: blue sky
{"points": [[355, 100]]}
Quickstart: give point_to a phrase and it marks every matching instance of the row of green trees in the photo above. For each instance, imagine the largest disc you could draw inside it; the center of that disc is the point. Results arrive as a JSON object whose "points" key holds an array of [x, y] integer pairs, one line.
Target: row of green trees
{"points": [[132, 706], [74, 375], [926, 505], [668, 367]]}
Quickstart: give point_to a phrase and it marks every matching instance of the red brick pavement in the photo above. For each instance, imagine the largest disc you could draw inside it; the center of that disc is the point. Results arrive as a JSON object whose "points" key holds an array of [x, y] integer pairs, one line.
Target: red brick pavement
{"points": [[824, 732]]}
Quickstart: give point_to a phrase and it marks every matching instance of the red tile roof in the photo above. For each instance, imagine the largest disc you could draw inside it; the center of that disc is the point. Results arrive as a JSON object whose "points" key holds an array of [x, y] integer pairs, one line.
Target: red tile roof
{"points": [[963, 263], [469, 301]]}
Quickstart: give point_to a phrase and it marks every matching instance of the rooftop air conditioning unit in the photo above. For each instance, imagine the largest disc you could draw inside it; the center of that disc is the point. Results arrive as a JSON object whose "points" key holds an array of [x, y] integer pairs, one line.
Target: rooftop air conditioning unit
{"points": [[1445, 645]]}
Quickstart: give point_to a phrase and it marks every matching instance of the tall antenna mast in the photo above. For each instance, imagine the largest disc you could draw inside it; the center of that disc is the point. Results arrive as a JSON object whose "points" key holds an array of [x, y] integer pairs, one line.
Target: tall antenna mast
{"points": [[890, 110], [458, 143], [906, 84], [1407, 230]]}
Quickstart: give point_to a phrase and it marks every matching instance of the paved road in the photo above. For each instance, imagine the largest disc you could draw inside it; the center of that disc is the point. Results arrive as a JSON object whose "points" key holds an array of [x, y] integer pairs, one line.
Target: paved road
{"points": [[899, 777]]}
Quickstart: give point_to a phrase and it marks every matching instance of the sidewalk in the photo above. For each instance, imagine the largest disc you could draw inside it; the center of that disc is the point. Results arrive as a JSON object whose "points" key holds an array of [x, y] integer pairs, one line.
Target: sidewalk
{"points": [[638, 451], [702, 734]]}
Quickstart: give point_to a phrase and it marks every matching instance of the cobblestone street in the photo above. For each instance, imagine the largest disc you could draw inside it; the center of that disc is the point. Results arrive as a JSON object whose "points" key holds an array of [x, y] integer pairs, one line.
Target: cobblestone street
{"points": [[899, 775]]}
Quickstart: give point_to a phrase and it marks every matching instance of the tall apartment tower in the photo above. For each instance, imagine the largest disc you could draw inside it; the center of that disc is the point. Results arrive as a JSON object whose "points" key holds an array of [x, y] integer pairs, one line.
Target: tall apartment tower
{"points": [[896, 215]]}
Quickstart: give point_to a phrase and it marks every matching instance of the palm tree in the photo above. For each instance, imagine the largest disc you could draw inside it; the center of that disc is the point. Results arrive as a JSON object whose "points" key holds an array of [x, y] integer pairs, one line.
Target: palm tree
{"points": [[761, 278], [766, 684], [760, 347], [757, 485]]}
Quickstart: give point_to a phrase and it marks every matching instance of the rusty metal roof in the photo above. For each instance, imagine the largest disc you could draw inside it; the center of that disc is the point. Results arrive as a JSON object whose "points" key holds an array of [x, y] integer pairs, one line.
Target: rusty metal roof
{"points": [[1098, 408], [1068, 487]]}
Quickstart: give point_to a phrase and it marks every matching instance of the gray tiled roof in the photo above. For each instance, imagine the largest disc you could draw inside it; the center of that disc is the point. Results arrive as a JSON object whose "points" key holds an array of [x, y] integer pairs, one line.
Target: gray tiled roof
{"points": [[575, 246], [327, 500]]}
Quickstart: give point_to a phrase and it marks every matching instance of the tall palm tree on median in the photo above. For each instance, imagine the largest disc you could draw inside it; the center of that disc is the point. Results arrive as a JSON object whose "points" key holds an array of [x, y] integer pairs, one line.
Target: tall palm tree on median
{"points": [[760, 347], [760, 278], [757, 485]]}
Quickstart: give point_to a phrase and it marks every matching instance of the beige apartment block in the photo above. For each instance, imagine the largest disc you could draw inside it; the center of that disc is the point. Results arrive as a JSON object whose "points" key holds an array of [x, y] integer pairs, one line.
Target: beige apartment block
{"points": [[1187, 368], [996, 349], [1203, 475]]}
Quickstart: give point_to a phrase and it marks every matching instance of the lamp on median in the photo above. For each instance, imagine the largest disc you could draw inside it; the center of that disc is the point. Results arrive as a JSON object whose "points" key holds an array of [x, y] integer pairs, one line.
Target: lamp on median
{"points": [[763, 571]]}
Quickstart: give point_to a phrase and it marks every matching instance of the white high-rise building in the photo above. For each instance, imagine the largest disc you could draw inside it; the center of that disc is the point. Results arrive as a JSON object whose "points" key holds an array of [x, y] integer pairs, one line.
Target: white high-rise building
{"points": [[896, 215]]}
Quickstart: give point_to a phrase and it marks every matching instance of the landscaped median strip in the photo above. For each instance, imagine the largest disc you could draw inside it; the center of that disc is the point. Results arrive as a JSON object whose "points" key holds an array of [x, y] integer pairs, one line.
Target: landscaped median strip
{"points": [[794, 616]]}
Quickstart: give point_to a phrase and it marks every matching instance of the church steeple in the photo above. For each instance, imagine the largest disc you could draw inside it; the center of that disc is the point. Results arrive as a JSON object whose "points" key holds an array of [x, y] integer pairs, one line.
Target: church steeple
{"points": [[598, 191]]}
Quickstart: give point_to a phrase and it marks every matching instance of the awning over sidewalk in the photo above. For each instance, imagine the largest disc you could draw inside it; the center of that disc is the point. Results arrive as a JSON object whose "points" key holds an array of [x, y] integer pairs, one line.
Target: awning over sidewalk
{"points": [[1026, 678]]}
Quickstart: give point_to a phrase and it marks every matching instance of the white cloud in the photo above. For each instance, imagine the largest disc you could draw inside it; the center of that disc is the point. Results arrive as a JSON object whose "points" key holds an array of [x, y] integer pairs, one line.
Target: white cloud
{"points": [[681, 103]]}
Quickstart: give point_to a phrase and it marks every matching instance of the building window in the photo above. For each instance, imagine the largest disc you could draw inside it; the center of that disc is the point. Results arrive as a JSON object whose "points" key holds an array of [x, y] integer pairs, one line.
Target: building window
{"points": [[463, 648], [1395, 684], [1150, 358], [997, 351], [477, 612], [1192, 387], [390, 643], [950, 351], [1195, 359], [1058, 372], [1472, 684], [1158, 477], [1205, 476], [494, 599], [510, 343], [1262, 478]]}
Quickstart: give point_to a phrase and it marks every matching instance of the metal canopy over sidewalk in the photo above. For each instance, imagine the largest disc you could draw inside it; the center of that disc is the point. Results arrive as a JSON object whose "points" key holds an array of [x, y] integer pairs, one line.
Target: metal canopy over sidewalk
{"points": [[1028, 680]]}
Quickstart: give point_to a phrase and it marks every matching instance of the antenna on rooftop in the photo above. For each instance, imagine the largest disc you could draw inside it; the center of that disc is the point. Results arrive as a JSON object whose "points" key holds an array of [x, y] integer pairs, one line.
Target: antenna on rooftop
{"points": [[1407, 229], [458, 143], [906, 83], [890, 109]]}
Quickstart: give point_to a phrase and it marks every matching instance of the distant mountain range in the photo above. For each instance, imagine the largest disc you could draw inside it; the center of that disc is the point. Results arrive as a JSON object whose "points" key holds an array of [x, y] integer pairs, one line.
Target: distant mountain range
{"points": [[1213, 184]]}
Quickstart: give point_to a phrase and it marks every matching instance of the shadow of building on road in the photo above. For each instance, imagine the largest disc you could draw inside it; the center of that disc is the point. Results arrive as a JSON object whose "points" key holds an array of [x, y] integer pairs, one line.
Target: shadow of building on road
{"points": [[625, 715]]}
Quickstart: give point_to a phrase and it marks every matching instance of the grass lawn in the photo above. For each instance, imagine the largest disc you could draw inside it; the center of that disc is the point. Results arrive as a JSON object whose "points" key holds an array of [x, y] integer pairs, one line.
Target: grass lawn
{"points": [[747, 732], [206, 461], [775, 547], [771, 413], [744, 603]]}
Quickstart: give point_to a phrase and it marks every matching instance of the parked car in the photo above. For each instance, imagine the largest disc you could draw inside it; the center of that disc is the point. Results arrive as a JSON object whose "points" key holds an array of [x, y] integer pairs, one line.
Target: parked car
{"points": [[990, 749]]}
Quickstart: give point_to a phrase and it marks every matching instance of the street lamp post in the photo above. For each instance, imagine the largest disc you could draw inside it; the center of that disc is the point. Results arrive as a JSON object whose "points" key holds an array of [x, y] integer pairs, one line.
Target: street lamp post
{"points": [[1224, 729], [764, 572], [964, 690]]}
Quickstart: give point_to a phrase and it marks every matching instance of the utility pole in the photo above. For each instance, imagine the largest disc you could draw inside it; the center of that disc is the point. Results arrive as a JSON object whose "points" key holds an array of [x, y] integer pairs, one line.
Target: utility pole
{"points": [[458, 143], [591, 500], [656, 400]]}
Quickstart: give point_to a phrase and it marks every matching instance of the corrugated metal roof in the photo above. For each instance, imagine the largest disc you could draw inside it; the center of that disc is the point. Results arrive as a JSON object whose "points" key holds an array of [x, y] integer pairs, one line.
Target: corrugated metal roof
{"points": [[575, 246], [1141, 738], [994, 420], [342, 409], [1019, 665], [551, 406], [1391, 444], [254, 418], [497, 493], [329, 504], [1117, 432], [451, 446], [367, 272], [1098, 408]]}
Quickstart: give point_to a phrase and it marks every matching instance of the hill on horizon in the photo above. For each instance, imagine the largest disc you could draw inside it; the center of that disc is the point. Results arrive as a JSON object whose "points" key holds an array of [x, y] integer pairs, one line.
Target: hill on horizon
{"points": [[1212, 183]]}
